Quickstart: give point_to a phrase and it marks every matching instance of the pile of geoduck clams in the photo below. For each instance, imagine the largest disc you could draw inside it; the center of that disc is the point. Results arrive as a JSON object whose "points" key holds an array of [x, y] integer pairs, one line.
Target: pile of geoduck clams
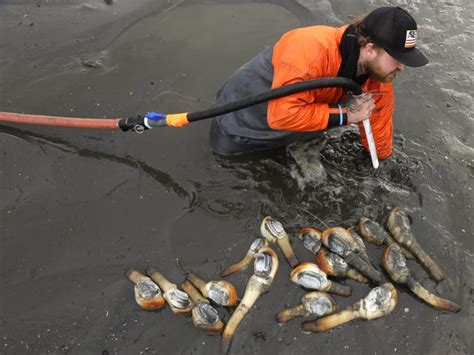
{"points": [[339, 253]]}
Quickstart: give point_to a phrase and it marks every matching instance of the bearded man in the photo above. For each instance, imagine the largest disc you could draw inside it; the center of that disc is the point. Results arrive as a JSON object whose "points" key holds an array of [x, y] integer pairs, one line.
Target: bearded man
{"points": [[370, 51]]}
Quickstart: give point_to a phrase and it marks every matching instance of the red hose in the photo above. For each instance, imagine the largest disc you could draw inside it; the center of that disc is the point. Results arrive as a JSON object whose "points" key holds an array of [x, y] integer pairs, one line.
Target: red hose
{"points": [[72, 122]]}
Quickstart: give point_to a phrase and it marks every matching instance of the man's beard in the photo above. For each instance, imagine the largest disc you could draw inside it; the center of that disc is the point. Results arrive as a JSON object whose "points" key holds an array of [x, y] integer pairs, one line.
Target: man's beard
{"points": [[374, 71]]}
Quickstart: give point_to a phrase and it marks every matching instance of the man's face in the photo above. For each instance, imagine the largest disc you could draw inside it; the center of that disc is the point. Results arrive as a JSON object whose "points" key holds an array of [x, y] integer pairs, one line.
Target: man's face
{"points": [[383, 66]]}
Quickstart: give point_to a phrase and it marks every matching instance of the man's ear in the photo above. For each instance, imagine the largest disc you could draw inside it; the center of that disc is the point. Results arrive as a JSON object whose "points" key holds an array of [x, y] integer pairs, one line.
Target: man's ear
{"points": [[370, 50]]}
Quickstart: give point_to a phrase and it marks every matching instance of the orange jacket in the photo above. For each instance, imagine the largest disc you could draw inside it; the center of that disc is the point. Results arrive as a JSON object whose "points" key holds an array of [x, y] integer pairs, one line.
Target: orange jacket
{"points": [[309, 53]]}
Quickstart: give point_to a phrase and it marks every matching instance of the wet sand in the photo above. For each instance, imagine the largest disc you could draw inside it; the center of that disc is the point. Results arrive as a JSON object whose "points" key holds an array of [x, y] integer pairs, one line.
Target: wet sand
{"points": [[78, 207]]}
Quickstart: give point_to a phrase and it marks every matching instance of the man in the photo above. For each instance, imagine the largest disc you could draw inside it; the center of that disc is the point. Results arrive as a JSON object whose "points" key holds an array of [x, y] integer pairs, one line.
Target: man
{"points": [[370, 51]]}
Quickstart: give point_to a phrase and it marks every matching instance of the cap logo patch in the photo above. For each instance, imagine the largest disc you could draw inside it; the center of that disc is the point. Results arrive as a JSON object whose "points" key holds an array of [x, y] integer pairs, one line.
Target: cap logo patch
{"points": [[410, 39]]}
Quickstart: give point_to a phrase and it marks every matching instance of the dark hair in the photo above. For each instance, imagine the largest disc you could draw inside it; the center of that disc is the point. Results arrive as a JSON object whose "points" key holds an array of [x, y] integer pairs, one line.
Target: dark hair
{"points": [[362, 37]]}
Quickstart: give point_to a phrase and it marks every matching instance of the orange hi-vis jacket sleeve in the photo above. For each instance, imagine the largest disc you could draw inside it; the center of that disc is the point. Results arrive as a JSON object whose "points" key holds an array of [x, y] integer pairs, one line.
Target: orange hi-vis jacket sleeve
{"points": [[380, 119], [313, 52]]}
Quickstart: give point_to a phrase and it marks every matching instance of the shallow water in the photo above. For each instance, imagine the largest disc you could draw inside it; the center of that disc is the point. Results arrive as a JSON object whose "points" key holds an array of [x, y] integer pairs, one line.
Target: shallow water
{"points": [[79, 207]]}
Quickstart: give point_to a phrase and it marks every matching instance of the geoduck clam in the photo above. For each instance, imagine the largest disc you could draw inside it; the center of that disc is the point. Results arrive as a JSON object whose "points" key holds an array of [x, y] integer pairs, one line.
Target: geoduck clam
{"points": [[265, 268], [378, 303], [311, 277], [220, 292], [205, 316], [147, 293], [334, 265], [178, 300], [394, 263], [375, 234], [339, 241], [273, 231], [398, 225], [314, 303], [255, 247]]}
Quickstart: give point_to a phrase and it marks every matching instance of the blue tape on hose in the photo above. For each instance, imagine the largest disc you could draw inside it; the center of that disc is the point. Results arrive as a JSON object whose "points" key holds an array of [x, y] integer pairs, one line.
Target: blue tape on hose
{"points": [[155, 116], [154, 119]]}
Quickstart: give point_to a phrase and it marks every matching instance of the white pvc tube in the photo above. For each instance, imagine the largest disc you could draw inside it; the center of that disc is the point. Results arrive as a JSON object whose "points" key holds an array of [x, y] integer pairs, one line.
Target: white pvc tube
{"points": [[370, 140]]}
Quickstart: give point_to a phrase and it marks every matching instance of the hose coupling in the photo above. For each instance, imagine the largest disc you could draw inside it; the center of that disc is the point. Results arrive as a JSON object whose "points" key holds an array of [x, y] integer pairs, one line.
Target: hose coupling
{"points": [[134, 123]]}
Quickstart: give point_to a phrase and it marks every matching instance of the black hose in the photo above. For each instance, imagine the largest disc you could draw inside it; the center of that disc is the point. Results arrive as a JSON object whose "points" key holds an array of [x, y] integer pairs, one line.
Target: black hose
{"points": [[347, 84]]}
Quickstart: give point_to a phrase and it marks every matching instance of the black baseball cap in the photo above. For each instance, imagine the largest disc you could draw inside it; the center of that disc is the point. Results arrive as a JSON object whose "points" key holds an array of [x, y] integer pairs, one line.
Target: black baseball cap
{"points": [[395, 30]]}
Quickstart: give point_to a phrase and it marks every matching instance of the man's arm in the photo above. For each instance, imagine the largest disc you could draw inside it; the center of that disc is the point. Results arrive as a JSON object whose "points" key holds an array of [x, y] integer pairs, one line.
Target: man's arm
{"points": [[300, 56]]}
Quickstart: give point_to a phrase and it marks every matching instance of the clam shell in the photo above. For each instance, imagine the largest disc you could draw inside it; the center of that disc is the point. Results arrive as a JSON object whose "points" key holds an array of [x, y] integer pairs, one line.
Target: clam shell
{"points": [[398, 260], [375, 230], [207, 313], [339, 245], [337, 262], [263, 265], [218, 294], [275, 228], [311, 243], [377, 300], [399, 218], [177, 298], [311, 280], [358, 239], [395, 264], [318, 306], [256, 245], [147, 289]]}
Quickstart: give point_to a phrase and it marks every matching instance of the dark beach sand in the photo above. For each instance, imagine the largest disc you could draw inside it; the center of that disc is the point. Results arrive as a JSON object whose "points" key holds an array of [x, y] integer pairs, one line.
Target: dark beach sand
{"points": [[78, 207]]}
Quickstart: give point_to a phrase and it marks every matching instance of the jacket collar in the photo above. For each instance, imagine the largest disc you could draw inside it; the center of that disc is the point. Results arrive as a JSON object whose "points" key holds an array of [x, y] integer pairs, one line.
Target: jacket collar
{"points": [[349, 49]]}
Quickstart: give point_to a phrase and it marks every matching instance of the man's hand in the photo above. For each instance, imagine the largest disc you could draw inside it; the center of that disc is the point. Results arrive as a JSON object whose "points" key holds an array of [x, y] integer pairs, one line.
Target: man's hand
{"points": [[359, 107]]}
